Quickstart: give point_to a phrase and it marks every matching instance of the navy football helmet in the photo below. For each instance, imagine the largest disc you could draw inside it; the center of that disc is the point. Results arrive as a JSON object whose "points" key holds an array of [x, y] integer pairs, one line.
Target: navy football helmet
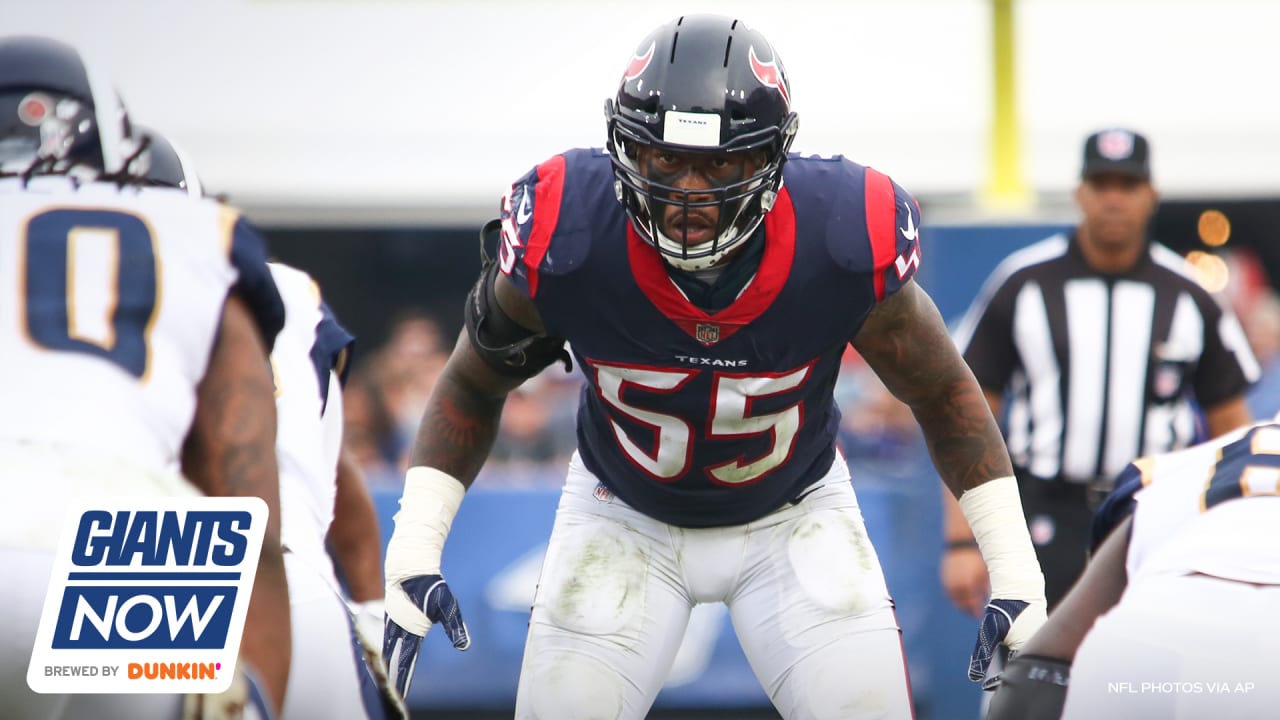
{"points": [[701, 84], [56, 114], [167, 165]]}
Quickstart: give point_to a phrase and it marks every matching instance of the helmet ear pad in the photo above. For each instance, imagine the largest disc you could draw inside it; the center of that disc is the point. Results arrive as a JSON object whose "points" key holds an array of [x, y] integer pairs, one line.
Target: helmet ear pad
{"points": [[699, 85]]}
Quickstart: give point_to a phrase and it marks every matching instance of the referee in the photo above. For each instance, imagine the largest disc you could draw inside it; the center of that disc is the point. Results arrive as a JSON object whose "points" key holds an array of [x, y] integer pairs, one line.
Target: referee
{"points": [[1106, 351]]}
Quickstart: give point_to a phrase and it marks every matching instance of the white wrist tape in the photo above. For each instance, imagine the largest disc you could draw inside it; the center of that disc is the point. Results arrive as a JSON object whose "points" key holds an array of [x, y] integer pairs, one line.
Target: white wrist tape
{"points": [[427, 507], [368, 618], [994, 512]]}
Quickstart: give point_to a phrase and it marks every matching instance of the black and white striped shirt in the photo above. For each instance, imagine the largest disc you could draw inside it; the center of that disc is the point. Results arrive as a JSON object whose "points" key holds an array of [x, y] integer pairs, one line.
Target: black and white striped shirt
{"points": [[1099, 368]]}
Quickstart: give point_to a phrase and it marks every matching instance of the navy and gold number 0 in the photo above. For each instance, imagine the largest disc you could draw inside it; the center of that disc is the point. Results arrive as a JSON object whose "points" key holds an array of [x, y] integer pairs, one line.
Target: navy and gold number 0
{"points": [[112, 254]]}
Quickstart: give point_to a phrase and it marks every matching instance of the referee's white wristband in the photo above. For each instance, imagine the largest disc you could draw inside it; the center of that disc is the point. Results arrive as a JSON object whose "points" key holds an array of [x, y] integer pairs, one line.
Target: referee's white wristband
{"points": [[994, 512], [427, 508]]}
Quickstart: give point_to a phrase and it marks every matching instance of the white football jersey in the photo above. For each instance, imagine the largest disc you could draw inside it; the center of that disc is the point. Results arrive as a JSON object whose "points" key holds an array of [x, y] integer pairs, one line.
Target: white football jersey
{"points": [[1211, 509], [309, 356], [113, 298]]}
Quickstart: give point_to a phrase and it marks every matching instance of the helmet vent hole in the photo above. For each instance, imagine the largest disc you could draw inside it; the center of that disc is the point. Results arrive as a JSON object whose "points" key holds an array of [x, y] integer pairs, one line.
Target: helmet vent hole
{"points": [[727, 46], [675, 41]]}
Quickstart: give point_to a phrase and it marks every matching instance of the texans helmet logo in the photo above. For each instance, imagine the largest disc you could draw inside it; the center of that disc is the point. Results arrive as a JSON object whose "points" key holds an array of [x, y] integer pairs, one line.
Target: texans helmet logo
{"points": [[638, 64], [769, 75]]}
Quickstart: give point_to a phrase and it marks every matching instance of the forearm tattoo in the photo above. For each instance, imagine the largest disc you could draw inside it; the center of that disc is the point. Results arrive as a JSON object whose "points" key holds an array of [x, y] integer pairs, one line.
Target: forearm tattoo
{"points": [[457, 430], [906, 343]]}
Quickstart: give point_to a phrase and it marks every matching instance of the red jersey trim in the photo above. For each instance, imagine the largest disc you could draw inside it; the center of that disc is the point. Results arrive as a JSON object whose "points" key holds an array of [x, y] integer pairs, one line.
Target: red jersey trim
{"points": [[546, 213], [775, 267], [882, 221]]}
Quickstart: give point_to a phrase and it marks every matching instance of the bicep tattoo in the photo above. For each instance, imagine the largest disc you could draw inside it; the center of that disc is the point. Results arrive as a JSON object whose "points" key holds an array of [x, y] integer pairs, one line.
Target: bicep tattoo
{"points": [[906, 343]]}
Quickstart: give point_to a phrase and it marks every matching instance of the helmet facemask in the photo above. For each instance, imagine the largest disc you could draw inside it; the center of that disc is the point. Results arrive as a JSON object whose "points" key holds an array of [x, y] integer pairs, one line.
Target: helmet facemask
{"points": [[739, 206], [55, 132]]}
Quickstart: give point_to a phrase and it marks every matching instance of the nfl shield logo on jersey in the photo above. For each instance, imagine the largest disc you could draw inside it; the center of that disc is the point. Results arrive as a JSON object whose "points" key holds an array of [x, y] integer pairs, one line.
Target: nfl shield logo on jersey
{"points": [[707, 334], [148, 595], [603, 494]]}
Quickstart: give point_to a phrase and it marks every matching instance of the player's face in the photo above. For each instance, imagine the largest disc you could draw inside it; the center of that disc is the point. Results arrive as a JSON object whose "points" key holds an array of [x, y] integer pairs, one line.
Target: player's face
{"points": [[696, 175], [1116, 208]]}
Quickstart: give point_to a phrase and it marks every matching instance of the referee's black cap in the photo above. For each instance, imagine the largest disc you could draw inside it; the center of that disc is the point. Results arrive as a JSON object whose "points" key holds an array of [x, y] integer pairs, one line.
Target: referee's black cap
{"points": [[1117, 151]]}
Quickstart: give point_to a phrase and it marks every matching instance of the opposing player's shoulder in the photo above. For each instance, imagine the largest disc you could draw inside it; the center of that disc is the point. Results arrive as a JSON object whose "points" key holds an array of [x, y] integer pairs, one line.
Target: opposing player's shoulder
{"points": [[333, 348], [254, 282], [295, 284], [202, 226], [300, 290], [1181, 473], [1119, 503], [1187, 469], [313, 326]]}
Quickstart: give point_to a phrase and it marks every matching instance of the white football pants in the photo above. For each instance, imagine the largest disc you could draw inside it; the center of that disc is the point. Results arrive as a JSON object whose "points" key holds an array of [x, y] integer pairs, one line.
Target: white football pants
{"points": [[324, 678], [803, 587]]}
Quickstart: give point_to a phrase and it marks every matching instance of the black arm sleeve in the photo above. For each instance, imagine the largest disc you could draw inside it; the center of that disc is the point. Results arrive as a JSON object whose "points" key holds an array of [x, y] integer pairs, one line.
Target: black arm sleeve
{"points": [[509, 348], [1031, 688]]}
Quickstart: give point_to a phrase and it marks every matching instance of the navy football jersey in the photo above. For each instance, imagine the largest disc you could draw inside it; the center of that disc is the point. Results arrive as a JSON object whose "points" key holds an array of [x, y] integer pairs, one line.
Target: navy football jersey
{"points": [[705, 419]]}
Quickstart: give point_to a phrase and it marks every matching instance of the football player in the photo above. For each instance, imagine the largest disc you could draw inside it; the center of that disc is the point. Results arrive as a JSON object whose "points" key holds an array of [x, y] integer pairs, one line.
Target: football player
{"points": [[309, 364], [320, 491], [135, 339], [1174, 617], [708, 283]]}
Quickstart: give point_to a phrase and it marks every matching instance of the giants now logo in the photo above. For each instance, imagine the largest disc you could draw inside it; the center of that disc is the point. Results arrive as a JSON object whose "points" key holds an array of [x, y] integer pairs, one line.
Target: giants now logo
{"points": [[148, 583]]}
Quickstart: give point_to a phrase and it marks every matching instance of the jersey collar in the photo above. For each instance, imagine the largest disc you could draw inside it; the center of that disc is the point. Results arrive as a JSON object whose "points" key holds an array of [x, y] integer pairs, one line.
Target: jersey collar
{"points": [[709, 328]]}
